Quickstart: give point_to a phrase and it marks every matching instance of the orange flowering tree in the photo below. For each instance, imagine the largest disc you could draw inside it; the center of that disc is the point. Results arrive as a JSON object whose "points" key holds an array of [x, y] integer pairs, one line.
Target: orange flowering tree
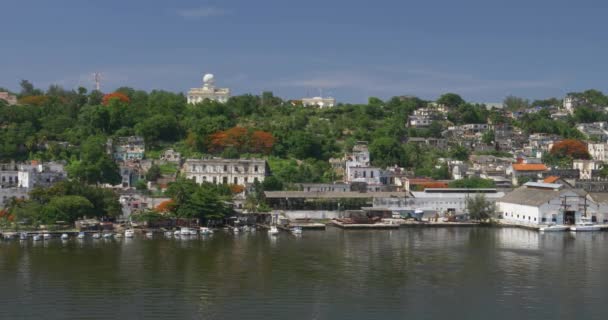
{"points": [[115, 96], [242, 140], [34, 100], [166, 206], [572, 148]]}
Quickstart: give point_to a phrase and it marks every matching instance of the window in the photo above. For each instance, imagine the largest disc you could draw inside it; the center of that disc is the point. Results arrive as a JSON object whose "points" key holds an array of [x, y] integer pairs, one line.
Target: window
{"points": [[204, 178], [236, 180], [225, 180], [255, 168], [225, 168], [214, 180], [364, 174], [371, 174], [245, 179]]}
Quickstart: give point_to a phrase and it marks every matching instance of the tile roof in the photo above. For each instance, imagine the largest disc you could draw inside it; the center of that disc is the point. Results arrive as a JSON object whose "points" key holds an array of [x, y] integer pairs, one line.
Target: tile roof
{"points": [[529, 167], [551, 179]]}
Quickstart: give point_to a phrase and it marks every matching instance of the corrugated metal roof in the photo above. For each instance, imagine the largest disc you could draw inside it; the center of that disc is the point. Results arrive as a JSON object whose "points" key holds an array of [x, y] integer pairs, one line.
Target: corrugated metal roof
{"points": [[329, 195]]}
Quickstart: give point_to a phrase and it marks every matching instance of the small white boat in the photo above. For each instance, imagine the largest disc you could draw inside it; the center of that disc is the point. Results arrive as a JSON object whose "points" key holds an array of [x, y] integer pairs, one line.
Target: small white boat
{"points": [[46, 236], [37, 237], [96, 235], [23, 236], [296, 230], [273, 231], [205, 231], [168, 234], [584, 227], [118, 235], [108, 235], [81, 235], [554, 228], [65, 236], [193, 232], [235, 230], [149, 234], [8, 236], [184, 231], [129, 233], [245, 228], [177, 233]]}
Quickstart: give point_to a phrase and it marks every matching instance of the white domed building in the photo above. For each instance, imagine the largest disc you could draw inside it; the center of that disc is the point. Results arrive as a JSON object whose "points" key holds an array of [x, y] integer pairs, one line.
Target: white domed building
{"points": [[208, 91]]}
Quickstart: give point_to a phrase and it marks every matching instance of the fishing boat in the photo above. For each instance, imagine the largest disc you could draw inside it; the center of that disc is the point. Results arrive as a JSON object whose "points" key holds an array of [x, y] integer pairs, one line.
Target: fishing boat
{"points": [[96, 235], [108, 235], [296, 230], [46, 236], [205, 231], [273, 231], [129, 233], [149, 234], [168, 234], [554, 228], [193, 232], [177, 233], [37, 237], [81, 235], [585, 225], [236, 230], [65, 236], [23, 236]]}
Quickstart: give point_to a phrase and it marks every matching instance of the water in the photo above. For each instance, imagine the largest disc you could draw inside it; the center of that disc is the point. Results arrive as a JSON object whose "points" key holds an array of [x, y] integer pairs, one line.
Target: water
{"points": [[458, 273]]}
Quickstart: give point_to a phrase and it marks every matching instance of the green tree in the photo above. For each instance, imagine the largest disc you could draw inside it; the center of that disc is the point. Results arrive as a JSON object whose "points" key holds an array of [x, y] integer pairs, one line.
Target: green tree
{"points": [[153, 173], [66, 208], [386, 151], [450, 100], [480, 209], [472, 183], [95, 165]]}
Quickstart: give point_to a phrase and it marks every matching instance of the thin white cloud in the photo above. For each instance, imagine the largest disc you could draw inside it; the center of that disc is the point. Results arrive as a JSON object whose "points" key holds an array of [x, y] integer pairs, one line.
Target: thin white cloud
{"points": [[201, 12], [383, 81]]}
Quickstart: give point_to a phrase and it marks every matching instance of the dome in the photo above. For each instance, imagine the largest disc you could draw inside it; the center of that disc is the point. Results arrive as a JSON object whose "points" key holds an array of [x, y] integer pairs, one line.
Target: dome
{"points": [[208, 78]]}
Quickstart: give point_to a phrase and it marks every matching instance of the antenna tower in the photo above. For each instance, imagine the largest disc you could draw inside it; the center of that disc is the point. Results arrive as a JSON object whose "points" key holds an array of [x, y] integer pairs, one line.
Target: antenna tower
{"points": [[97, 78]]}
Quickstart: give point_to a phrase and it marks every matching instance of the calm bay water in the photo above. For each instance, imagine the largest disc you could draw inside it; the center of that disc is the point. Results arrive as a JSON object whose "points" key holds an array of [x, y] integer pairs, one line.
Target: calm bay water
{"points": [[457, 273]]}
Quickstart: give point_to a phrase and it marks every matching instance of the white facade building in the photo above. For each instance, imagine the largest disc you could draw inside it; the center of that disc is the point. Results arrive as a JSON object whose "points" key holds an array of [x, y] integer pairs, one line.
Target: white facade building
{"points": [[208, 91], [454, 200], [226, 171], [598, 151], [320, 102], [586, 167], [544, 203]]}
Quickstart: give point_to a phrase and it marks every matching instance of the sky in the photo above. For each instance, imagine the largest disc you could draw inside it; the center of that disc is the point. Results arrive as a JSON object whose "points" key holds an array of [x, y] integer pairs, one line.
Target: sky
{"points": [[483, 50]]}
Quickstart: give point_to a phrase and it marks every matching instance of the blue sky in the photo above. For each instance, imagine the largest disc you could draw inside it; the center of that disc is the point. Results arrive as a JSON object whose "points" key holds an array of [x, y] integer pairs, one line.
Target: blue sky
{"points": [[481, 49]]}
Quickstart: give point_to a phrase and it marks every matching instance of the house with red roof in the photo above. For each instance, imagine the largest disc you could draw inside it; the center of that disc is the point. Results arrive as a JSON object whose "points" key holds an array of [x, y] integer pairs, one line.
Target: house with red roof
{"points": [[526, 171]]}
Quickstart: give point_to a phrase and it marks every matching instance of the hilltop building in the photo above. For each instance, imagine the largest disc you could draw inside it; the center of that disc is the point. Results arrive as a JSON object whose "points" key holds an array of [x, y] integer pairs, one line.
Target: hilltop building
{"points": [[9, 98], [126, 148], [320, 102], [208, 91]]}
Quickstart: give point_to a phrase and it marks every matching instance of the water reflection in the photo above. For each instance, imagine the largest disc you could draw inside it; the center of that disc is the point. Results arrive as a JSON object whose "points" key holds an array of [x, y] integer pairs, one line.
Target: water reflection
{"points": [[333, 274]]}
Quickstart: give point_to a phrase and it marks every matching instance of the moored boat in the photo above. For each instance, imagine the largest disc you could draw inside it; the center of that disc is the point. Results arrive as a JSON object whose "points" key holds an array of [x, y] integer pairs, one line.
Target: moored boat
{"points": [[65, 236], [554, 228], [296, 230], [129, 233], [81, 235], [149, 234], [37, 237], [46, 236], [184, 231], [23, 236], [205, 231], [108, 235], [168, 234], [273, 231], [96, 235], [585, 225]]}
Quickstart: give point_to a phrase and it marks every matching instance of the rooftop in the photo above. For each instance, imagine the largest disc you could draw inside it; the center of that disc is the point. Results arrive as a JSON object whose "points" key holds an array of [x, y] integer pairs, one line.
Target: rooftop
{"points": [[529, 167]]}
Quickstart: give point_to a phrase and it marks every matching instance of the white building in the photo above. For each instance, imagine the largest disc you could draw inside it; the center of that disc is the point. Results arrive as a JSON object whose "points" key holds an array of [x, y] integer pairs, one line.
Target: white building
{"points": [[321, 102], [40, 175], [586, 167], [9, 98], [598, 151], [208, 91], [226, 171], [452, 200], [544, 203]]}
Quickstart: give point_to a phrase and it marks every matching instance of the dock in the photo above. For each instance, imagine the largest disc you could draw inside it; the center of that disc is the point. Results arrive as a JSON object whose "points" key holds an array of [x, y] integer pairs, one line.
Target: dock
{"points": [[365, 225]]}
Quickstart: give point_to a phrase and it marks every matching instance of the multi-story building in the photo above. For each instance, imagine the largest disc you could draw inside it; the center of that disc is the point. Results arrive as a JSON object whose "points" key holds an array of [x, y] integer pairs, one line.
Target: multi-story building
{"points": [[598, 151], [586, 168], [127, 148], [208, 91], [9, 98], [321, 102], [423, 117], [16, 180], [226, 171], [171, 155]]}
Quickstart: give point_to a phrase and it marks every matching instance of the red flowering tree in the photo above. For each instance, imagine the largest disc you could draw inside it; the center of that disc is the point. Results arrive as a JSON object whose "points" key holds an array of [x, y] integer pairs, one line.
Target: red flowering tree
{"points": [[115, 96], [242, 140], [574, 149]]}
